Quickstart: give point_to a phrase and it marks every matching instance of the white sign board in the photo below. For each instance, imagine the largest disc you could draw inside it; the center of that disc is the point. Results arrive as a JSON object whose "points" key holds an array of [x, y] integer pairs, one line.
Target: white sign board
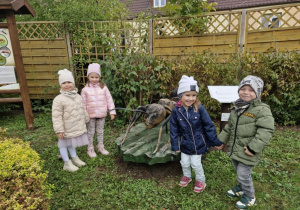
{"points": [[7, 75], [6, 53], [225, 117], [224, 94]]}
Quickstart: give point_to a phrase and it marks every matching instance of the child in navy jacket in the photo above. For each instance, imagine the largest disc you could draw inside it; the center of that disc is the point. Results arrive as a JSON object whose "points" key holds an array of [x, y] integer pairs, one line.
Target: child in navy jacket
{"points": [[192, 132]]}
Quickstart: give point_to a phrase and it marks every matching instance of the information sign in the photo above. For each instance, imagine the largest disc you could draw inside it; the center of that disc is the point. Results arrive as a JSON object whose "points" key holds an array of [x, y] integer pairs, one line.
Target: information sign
{"points": [[224, 94]]}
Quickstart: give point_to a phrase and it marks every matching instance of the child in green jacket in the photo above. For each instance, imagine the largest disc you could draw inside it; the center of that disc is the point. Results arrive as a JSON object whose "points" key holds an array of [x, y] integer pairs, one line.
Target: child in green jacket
{"points": [[249, 129]]}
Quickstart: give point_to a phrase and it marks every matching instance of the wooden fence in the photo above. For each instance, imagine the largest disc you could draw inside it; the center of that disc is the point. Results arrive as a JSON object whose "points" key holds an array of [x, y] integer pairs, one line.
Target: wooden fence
{"points": [[49, 46], [253, 30], [44, 51]]}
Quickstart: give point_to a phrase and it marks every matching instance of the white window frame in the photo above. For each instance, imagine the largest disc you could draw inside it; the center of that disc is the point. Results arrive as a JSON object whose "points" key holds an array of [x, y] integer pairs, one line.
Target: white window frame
{"points": [[267, 24], [159, 3]]}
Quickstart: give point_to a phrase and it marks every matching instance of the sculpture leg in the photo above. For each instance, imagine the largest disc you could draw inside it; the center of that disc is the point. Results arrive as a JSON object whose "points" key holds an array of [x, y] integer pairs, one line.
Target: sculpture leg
{"points": [[166, 146], [131, 124], [160, 131]]}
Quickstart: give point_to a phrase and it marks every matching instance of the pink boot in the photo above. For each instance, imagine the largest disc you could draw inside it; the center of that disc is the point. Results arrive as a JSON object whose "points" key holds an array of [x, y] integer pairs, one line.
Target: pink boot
{"points": [[102, 150], [91, 152]]}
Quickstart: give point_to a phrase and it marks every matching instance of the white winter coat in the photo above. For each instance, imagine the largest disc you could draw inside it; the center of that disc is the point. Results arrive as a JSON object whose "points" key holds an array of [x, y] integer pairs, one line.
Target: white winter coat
{"points": [[69, 116]]}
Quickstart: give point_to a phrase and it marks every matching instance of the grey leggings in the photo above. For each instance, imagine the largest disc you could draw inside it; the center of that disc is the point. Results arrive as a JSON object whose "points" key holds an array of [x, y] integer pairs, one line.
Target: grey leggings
{"points": [[99, 124], [244, 177]]}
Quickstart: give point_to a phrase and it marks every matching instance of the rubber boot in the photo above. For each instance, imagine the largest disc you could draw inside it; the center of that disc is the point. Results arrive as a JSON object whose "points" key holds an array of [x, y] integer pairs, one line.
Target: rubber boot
{"points": [[76, 161], [68, 166]]}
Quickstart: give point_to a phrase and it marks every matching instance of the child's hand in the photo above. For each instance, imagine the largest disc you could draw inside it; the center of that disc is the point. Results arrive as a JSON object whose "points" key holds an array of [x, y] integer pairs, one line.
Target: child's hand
{"points": [[177, 151], [112, 117], [219, 147], [60, 135], [247, 151]]}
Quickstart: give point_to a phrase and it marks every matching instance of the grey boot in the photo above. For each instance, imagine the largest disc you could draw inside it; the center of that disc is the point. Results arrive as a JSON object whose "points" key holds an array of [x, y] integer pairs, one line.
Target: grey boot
{"points": [[76, 161], [68, 166]]}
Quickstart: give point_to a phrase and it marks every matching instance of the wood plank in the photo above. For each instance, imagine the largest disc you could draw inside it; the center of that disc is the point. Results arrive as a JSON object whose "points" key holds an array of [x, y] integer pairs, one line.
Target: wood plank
{"points": [[195, 41], [46, 60], [45, 67], [10, 91], [42, 76], [43, 83], [10, 100], [271, 37], [43, 44], [180, 50], [44, 52]]}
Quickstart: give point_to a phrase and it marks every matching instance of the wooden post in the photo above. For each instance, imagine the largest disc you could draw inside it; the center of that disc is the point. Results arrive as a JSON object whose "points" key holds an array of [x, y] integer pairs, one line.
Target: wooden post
{"points": [[21, 76], [150, 36], [225, 108]]}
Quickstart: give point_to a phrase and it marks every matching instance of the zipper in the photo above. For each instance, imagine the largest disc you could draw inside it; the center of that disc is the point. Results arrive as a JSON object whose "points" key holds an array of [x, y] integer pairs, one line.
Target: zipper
{"points": [[236, 125], [191, 130]]}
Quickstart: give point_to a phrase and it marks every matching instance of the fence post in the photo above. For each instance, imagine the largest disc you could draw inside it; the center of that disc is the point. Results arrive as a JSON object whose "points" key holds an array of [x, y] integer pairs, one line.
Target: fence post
{"points": [[150, 36], [242, 31], [69, 48]]}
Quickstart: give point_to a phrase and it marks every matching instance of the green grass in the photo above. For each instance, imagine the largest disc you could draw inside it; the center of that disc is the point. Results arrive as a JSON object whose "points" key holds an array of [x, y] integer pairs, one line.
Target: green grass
{"points": [[101, 185]]}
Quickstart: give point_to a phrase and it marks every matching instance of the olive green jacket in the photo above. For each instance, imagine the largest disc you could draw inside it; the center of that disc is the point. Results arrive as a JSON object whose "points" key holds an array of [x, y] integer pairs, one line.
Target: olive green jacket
{"points": [[253, 128]]}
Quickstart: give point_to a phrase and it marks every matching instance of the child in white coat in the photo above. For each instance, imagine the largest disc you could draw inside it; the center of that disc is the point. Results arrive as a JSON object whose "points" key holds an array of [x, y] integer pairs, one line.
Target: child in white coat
{"points": [[69, 121]]}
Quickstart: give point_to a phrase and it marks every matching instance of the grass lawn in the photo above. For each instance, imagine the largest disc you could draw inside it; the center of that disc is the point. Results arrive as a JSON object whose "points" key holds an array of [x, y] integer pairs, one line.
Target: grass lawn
{"points": [[107, 182]]}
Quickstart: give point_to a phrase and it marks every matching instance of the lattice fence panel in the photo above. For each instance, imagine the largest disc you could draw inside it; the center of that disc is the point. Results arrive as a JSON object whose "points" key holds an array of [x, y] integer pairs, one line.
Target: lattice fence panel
{"points": [[199, 25], [93, 41], [41, 30], [274, 18]]}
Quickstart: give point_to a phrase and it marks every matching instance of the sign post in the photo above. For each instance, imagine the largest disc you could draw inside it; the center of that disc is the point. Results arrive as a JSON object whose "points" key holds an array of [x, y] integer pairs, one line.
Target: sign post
{"points": [[225, 95], [11, 56]]}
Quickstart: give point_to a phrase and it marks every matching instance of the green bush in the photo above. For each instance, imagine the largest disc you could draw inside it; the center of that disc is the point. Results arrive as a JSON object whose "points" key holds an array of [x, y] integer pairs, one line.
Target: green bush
{"points": [[134, 78], [23, 184], [279, 70]]}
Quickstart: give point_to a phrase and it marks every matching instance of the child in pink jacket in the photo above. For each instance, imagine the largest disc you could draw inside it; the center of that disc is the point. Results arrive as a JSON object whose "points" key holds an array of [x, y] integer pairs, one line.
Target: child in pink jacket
{"points": [[97, 101]]}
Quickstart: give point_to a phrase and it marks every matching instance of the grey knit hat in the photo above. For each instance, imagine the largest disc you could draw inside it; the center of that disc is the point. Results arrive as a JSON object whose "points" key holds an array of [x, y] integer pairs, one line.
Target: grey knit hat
{"points": [[256, 83], [187, 84]]}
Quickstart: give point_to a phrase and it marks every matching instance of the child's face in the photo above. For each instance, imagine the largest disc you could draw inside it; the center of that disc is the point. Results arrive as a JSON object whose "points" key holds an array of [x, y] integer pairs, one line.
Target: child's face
{"points": [[94, 78], [67, 86], [246, 93], [188, 98]]}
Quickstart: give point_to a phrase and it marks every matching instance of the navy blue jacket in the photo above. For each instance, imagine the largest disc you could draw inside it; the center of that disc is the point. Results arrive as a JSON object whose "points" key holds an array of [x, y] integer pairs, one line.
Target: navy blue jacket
{"points": [[193, 131]]}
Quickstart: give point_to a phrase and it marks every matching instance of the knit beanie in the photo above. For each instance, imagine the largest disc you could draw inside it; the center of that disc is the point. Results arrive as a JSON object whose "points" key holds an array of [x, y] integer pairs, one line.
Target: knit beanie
{"points": [[187, 84], [94, 68], [256, 83], [65, 76]]}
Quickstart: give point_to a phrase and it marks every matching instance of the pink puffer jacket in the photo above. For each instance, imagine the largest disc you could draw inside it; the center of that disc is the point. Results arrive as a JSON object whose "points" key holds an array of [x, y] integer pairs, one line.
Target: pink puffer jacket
{"points": [[97, 101]]}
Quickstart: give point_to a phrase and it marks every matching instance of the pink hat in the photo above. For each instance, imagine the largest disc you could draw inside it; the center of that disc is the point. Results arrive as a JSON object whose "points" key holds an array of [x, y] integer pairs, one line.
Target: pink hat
{"points": [[94, 68]]}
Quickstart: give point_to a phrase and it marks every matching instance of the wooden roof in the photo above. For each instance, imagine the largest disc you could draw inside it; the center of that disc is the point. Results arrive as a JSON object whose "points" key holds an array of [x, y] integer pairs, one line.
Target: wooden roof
{"points": [[243, 4], [18, 6]]}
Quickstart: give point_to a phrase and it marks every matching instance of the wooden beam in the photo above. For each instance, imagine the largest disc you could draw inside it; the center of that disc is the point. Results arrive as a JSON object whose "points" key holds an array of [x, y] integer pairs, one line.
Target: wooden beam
{"points": [[10, 100], [10, 91], [13, 32]]}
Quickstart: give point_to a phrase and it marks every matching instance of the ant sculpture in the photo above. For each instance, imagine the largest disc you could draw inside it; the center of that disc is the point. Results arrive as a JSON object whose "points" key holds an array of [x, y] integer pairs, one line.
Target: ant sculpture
{"points": [[154, 114]]}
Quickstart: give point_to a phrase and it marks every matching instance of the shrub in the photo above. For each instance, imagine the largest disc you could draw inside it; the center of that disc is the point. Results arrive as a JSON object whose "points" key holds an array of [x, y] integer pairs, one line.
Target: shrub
{"points": [[22, 182]]}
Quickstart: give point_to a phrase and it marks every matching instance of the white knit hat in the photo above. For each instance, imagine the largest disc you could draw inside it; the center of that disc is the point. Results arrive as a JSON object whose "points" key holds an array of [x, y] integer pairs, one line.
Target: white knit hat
{"points": [[94, 68], [256, 83], [64, 76], [187, 84]]}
